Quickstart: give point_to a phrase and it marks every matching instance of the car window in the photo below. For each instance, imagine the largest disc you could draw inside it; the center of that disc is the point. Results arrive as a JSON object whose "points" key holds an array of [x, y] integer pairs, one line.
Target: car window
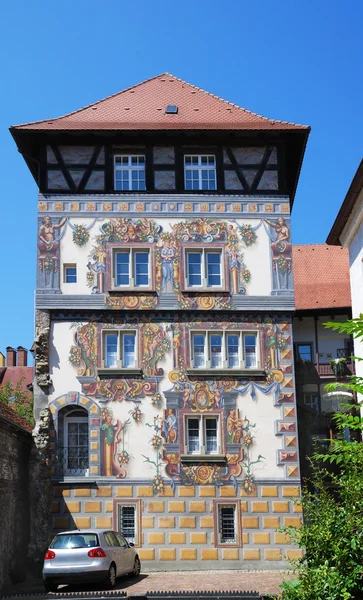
{"points": [[111, 539], [75, 540], [121, 540]]}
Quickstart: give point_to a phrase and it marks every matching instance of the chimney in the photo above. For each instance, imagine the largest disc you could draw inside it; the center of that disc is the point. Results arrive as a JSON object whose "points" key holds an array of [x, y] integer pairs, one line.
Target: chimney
{"points": [[10, 357], [22, 356]]}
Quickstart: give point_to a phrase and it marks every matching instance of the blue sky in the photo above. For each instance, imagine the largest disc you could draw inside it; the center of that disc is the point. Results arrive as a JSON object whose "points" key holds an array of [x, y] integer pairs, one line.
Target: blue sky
{"points": [[298, 61]]}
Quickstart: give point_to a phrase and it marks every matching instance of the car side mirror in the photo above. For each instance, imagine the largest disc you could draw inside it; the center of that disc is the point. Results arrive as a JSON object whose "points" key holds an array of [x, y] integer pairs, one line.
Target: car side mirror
{"points": [[131, 544]]}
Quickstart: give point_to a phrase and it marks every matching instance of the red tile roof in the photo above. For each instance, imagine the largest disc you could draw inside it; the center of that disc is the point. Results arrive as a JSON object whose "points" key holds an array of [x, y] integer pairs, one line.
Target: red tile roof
{"points": [[143, 107], [321, 275], [14, 374], [8, 414]]}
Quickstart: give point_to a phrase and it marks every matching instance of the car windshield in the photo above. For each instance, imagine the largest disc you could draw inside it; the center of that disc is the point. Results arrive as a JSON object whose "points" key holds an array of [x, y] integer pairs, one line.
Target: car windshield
{"points": [[75, 540]]}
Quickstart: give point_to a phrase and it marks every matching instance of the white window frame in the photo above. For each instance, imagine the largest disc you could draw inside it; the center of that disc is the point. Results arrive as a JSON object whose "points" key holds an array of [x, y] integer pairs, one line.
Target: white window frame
{"points": [[234, 541], [202, 434], [129, 167], [136, 504], [204, 268], [199, 167], [224, 333], [65, 268], [66, 421], [132, 269], [120, 334]]}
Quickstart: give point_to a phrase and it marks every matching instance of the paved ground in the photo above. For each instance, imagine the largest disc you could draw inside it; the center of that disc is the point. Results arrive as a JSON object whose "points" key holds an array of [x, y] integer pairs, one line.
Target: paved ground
{"points": [[263, 582]]}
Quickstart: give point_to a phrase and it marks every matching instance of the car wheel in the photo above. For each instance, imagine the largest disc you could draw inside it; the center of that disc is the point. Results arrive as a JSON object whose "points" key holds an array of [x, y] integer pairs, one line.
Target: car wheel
{"points": [[50, 587], [137, 568], [111, 577]]}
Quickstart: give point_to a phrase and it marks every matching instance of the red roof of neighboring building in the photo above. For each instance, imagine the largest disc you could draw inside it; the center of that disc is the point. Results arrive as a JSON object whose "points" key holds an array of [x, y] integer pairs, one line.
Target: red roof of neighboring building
{"points": [[321, 275], [8, 414], [142, 107], [14, 374]]}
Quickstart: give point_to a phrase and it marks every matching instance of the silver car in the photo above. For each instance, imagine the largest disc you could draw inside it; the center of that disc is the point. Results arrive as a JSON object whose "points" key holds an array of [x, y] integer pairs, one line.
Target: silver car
{"points": [[87, 556]]}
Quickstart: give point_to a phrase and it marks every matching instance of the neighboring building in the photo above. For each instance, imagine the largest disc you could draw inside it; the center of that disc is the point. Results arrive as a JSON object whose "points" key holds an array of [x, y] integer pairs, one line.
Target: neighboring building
{"points": [[322, 356], [15, 368], [348, 232], [163, 323]]}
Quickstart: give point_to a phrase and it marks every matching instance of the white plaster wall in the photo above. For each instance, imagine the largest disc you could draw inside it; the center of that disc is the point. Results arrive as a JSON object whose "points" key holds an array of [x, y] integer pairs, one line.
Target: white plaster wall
{"points": [[70, 253]]}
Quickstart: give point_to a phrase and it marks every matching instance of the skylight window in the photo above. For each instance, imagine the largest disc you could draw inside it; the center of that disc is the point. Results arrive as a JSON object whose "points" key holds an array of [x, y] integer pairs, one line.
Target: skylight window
{"points": [[171, 109]]}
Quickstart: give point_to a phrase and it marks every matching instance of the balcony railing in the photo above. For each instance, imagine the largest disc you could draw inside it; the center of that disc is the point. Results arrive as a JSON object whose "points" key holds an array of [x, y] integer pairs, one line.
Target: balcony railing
{"points": [[71, 462], [342, 368]]}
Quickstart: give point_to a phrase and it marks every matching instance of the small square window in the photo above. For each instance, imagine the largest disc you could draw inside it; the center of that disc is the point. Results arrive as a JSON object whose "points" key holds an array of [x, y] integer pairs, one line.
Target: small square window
{"points": [[200, 172], [70, 274]]}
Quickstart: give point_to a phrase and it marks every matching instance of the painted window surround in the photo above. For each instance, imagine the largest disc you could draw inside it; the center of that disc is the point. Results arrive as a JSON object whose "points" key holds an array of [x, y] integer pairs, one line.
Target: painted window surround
{"points": [[102, 369], [189, 456], [236, 505], [110, 267], [185, 248], [136, 503]]}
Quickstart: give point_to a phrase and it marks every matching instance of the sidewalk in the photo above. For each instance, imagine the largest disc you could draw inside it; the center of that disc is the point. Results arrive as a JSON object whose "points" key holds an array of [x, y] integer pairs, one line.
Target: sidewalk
{"points": [[264, 582]]}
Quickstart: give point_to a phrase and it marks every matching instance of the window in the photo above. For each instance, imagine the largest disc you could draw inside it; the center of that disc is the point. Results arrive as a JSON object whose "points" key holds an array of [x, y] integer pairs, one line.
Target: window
{"points": [[132, 268], [202, 435], [224, 350], [311, 400], [119, 349], [130, 172], [304, 352], [204, 268], [70, 274], [75, 451], [227, 522], [200, 172], [127, 520]]}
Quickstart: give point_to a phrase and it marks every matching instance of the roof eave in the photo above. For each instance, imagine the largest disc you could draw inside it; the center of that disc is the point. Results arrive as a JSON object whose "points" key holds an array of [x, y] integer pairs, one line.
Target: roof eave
{"points": [[346, 208]]}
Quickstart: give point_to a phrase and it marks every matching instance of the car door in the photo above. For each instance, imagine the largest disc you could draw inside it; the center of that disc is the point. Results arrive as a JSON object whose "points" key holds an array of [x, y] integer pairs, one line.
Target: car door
{"points": [[114, 551], [128, 554]]}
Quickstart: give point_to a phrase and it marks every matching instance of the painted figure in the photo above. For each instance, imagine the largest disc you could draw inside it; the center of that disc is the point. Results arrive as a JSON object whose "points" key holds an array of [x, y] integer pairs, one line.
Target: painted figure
{"points": [[98, 269], [49, 244], [281, 252], [235, 266], [170, 429], [167, 254], [234, 427], [270, 344], [111, 439]]}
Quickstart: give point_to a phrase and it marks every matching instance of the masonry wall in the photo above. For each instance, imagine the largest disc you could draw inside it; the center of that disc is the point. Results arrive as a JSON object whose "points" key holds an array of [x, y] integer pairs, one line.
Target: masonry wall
{"points": [[15, 447]]}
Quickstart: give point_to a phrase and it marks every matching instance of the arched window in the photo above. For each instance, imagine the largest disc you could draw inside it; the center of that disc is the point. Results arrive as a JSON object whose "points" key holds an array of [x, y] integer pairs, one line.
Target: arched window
{"points": [[73, 441]]}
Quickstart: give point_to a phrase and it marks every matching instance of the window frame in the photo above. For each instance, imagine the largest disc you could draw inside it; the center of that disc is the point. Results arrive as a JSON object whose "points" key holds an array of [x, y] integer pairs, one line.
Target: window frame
{"points": [[204, 250], [65, 268], [298, 358], [199, 168], [227, 503], [129, 168], [75, 472], [201, 454], [136, 503], [113, 250], [242, 333], [119, 368]]}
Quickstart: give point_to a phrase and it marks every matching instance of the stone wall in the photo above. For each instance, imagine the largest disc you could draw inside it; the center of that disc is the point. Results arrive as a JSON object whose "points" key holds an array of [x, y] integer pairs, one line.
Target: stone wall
{"points": [[15, 446]]}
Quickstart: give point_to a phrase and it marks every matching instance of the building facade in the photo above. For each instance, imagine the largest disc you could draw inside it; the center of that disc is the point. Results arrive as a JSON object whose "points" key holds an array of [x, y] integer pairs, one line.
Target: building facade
{"points": [[164, 352]]}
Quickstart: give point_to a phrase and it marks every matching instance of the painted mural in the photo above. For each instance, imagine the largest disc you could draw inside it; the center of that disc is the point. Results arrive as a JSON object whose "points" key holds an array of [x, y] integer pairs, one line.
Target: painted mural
{"points": [[188, 395]]}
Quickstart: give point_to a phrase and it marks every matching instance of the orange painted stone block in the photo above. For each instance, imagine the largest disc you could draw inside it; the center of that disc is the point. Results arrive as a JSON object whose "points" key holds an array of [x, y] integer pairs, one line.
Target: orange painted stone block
{"points": [[147, 522], [73, 507], [207, 490], [146, 553], [187, 522], [61, 523], [198, 538], [282, 538], [273, 554], [197, 507], [251, 554], [104, 492], [177, 506], [245, 538], [292, 522], [209, 554], [94, 470], [167, 554], [145, 491], [291, 491], [94, 433], [59, 491], [292, 554], [250, 522], [82, 492], [82, 522], [230, 554], [109, 507], [259, 507], [227, 491], [271, 490], [155, 507], [124, 491], [271, 522], [103, 522], [166, 522], [156, 538], [188, 554], [297, 508], [55, 506], [244, 506], [93, 507], [187, 491], [94, 445], [261, 538], [206, 522], [280, 507], [249, 495], [177, 538], [167, 492], [94, 410]]}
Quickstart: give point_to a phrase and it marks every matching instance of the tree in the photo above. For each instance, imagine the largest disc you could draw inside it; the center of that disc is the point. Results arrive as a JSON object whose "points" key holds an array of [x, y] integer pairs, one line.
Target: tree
{"points": [[18, 398], [332, 533]]}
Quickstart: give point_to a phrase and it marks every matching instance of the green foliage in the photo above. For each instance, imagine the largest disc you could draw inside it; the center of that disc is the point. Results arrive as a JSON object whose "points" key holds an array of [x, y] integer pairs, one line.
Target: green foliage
{"points": [[18, 398], [332, 533]]}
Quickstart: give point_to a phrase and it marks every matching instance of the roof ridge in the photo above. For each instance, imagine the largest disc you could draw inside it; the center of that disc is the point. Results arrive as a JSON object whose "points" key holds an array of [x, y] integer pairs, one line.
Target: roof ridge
{"points": [[232, 104], [318, 244]]}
